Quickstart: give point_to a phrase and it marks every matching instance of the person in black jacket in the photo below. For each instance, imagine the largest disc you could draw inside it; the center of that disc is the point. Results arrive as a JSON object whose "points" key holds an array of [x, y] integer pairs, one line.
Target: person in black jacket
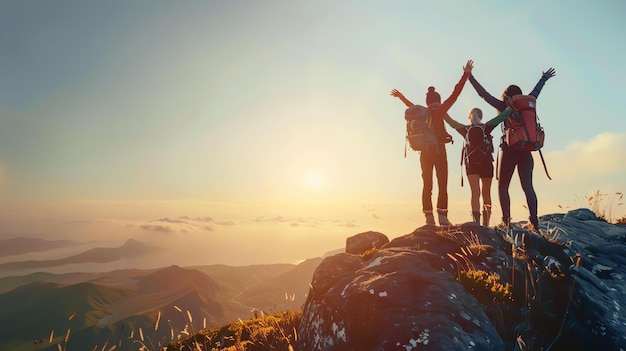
{"points": [[478, 158]]}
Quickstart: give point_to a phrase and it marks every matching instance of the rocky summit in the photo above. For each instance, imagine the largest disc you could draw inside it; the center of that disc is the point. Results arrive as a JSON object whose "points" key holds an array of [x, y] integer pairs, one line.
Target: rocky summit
{"points": [[471, 287]]}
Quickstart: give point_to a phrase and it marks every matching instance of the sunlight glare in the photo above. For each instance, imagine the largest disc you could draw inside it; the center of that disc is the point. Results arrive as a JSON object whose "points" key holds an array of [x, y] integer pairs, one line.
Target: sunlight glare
{"points": [[314, 181]]}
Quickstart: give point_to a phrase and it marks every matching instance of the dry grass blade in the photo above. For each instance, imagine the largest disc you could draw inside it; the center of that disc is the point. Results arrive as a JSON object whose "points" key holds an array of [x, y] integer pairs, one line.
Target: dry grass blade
{"points": [[156, 325], [51, 335]]}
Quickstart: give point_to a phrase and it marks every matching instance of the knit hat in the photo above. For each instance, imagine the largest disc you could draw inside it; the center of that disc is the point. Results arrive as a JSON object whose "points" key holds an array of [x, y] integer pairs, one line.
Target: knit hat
{"points": [[432, 96]]}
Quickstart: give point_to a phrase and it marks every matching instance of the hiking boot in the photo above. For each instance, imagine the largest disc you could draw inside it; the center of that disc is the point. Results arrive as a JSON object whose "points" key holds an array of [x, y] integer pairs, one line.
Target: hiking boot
{"points": [[443, 220], [534, 222], [486, 217], [430, 218], [506, 224], [476, 216], [443, 217]]}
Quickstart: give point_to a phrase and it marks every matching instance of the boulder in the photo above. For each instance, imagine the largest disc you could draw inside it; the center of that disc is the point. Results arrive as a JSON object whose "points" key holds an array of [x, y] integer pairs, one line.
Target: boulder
{"points": [[360, 243]]}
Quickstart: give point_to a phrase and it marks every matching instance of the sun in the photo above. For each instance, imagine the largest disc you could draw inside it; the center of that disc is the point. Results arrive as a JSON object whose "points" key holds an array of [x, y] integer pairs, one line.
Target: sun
{"points": [[314, 180]]}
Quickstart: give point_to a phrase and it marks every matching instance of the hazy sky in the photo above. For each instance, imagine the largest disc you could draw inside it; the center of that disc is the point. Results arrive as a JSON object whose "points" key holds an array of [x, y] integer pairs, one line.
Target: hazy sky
{"points": [[268, 125]]}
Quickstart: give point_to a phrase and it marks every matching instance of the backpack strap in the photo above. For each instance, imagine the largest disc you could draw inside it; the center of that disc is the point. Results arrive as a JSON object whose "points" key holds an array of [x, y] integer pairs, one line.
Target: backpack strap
{"points": [[544, 164], [406, 140], [498, 163], [462, 158]]}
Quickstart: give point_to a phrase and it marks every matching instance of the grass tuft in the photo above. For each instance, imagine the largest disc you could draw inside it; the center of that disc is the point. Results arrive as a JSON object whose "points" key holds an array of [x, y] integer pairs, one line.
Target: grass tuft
{"points": [[487, 283]]}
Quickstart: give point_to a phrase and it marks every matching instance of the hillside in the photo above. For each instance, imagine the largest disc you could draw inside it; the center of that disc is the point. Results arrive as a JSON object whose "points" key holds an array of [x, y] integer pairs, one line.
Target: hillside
{"points": [[113, 307], [33, 311], [288, 288], [10, 283]]}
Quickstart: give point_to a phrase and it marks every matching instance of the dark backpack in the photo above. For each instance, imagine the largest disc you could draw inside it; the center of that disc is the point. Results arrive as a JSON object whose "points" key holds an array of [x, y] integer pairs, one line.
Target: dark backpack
{"points": [[420, 134], [478, 145]]}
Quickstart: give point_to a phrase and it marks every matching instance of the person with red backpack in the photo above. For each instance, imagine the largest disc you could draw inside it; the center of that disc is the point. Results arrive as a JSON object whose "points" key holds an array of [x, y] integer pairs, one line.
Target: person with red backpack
{"points": [[512, 158], [477, 156], [436, 157]]}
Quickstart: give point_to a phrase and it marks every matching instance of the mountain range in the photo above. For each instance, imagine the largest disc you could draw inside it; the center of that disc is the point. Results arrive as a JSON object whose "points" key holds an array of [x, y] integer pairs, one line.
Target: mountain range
{"points": [[131, 248], [121, 307], [18, 246]]}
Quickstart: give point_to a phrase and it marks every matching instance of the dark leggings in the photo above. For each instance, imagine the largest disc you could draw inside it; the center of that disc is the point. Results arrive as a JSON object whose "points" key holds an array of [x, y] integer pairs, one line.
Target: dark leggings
{"points": [[437, 159], [524, 162]]}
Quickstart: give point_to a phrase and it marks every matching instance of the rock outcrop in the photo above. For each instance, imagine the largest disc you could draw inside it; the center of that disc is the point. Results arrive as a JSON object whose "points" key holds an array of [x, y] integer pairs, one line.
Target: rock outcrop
{"points": [[474, 288]]}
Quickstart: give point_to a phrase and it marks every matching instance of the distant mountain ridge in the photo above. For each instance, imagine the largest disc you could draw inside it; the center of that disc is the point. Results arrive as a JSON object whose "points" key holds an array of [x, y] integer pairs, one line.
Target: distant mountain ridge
{"points": [[131, 248], [19, 246]]}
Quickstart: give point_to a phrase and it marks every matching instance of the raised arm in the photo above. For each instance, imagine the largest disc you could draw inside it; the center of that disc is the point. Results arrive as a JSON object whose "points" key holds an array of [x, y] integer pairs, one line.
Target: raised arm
{"points": [[490, 99], [492, 123], [399, 95], [454, 124], [544, 78], [467, 70]]}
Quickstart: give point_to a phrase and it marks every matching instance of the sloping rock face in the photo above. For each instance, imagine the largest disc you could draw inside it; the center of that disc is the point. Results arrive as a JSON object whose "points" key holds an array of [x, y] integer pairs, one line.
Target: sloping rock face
{"points": [[475, 288]]}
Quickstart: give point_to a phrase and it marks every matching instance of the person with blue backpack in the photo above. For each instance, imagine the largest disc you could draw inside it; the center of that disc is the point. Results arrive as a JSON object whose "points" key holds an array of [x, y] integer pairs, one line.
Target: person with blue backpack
{"points": [[477, 156], [435, 157], [512, 158]]}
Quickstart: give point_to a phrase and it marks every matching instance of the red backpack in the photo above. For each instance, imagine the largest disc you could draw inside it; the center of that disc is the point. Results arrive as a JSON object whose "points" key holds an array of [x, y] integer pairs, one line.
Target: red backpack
{"points": [[522, 130]]}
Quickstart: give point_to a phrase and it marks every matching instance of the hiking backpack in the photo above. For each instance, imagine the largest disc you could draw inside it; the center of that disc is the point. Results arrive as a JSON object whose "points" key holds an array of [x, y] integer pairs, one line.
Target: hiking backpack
{"points": [[420, 134], [478, 144], [522, 131]]}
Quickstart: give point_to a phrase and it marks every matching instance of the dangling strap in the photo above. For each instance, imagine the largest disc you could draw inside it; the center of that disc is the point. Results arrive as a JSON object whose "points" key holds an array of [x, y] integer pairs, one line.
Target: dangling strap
{"points": [[544, 164], [462, 158], [406, 140], [498, 161]]}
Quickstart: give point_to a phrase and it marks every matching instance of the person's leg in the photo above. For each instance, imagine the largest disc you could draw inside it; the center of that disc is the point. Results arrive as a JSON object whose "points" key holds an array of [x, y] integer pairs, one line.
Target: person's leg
{"points": [[525, 171], [474, 182], [486, 192], [441, 168], [426, 164], [508, 161]]}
